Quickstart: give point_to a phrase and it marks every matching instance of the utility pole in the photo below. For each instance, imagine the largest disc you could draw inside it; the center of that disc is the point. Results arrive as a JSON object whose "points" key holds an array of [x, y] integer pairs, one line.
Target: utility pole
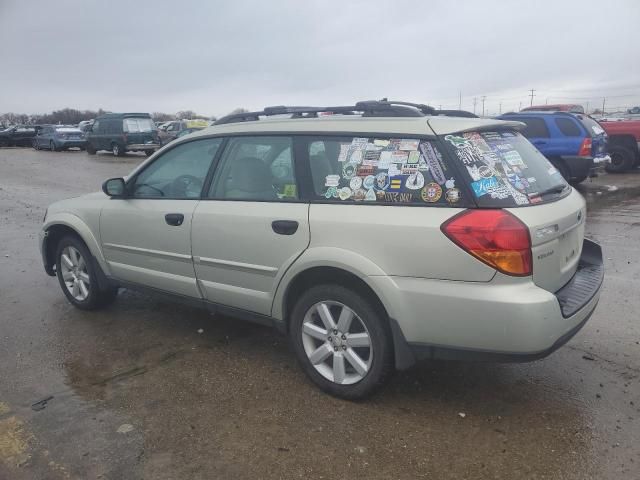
{"points": [[475, 101], [483, 99], [500, 109], [603, 100], [460, 100], [532, 95], [519, 106], [587, 109]]}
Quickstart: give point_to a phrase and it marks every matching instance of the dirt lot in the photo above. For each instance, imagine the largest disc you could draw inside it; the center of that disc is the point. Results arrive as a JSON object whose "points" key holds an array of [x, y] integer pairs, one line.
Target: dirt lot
{"points": [[136, 392]]}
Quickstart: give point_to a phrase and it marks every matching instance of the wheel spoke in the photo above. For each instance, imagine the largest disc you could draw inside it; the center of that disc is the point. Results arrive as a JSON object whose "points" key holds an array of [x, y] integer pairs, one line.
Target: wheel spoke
{"points": [[81, 264], [83, 289], [356, 362], [67, 261], [315, 331], [325, 316], [75, 288], [321, 353], [84, 276], [67, 276], [338, 368], [358, 339], [73, 253], [344, 322]]}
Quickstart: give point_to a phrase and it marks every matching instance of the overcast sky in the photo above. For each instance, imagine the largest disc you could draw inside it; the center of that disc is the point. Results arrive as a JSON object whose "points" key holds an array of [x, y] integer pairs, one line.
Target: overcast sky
{"points": [[213, 56]]}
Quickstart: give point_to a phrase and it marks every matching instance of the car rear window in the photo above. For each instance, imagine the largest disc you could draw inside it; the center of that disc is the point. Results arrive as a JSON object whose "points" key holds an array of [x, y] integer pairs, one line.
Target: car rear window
{"points": [[381, 170], [136, 125], [505, 170]]}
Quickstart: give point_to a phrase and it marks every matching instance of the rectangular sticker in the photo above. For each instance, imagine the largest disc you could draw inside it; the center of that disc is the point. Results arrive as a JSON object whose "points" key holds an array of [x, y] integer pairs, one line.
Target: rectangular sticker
{"points": [[408, 144], [513, 158], [399, 156], [332, 180], [385, 160], [414, 158], [484, 186], [359, 143], [345, 148]]}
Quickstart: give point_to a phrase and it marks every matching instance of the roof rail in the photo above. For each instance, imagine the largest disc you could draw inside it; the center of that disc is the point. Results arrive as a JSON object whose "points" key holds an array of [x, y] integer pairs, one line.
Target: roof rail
{"points": [[368, 108]]}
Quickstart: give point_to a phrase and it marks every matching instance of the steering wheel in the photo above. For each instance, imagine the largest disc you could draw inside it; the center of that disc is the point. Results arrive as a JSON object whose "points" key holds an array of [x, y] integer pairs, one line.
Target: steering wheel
{"points": [[185, 183]]}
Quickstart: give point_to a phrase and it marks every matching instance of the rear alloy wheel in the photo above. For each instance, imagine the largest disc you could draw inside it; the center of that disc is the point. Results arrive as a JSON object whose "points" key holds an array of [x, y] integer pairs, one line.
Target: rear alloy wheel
{"points": [[90, 149], [341, 341], [77, 276], [622, 159]]}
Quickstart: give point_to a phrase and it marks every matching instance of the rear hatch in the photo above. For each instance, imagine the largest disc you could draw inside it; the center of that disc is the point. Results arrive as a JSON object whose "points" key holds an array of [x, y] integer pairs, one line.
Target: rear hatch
{"points": [[70, 133], [503, 170], [598, 136], [139, 130]]}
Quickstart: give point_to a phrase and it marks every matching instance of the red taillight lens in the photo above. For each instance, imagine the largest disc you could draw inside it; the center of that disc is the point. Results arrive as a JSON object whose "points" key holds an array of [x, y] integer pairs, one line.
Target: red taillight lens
{"points": [[495, 237], [585, 148]]}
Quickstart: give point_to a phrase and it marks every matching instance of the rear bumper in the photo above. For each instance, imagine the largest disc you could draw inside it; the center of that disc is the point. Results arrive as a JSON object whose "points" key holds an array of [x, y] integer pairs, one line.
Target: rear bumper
{"points": [[71, 143], [141, 146], [506, 320]]}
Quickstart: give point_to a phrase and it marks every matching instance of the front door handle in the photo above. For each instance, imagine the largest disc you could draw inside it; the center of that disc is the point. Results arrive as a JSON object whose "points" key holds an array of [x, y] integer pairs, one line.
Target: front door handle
{"points": [[284, 227], [174, 219]]}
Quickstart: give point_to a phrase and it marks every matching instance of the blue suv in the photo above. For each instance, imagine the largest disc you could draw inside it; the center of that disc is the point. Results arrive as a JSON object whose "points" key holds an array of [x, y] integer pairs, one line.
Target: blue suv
{"points": [[574, 143]]}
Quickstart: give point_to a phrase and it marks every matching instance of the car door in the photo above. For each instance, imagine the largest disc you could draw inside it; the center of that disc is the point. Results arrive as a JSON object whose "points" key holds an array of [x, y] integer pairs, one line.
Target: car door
{"points": [[251, 227], [146, 237]]}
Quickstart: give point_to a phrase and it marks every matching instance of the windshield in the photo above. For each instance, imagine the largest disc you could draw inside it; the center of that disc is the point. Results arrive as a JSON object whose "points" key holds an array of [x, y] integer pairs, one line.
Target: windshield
{"points": [[135, 125], [505, 170]]}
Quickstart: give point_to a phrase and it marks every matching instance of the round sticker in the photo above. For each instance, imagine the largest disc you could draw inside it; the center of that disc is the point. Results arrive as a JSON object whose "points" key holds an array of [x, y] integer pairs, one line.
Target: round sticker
{"points": [[382, 181], [358, 194], [368, 182], [431, 193], [370, 196], [344, 193], [485, 172], [452, 195], [415, 181], [355, 183]]}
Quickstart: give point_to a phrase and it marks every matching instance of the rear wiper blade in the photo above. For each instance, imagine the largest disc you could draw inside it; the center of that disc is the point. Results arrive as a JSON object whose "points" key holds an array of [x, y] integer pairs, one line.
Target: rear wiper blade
{"points": [[556, 189]]}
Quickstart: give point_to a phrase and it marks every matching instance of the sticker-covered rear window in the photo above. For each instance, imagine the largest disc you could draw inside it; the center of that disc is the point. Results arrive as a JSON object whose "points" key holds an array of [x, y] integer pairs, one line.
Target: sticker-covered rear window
{"points": [[381, 170], [504, 169]]}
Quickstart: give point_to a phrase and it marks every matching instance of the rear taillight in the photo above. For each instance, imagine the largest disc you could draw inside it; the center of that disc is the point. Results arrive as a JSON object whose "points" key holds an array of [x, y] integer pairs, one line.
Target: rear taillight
{"points": [[495, 237], [585, 148]]}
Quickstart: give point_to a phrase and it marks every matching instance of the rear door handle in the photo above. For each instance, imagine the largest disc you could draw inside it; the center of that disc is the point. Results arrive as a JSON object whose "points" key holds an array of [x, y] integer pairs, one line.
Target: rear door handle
{"points": [[174, 219], [284, 227]]}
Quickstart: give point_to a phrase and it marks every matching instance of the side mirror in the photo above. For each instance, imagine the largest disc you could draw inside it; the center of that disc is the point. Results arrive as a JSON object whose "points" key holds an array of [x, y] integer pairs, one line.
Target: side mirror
{"points": [[114, 187]]}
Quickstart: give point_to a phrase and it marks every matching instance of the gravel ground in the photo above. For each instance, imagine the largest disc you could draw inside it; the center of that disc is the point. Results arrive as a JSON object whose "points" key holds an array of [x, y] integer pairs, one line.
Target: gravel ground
{"points": [[136, 392]]}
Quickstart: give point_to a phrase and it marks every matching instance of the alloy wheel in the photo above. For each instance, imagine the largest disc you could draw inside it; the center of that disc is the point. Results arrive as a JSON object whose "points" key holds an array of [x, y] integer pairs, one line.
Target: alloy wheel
{"points": [[337, 342], [74, 272]]}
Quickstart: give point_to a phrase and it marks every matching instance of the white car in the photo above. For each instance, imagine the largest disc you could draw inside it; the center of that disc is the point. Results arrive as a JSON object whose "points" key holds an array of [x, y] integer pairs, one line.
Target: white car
{"points": [[374, 235]]}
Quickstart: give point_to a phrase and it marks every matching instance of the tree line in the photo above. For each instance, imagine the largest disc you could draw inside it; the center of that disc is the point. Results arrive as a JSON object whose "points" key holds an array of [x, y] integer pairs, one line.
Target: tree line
{"points": [[71, 116]]}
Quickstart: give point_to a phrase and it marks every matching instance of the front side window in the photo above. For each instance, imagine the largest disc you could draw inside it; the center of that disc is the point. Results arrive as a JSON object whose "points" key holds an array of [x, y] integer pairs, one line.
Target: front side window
{"points": [[382, 170], [505, 170], [96, 126], [256, 168], [179, 173]]}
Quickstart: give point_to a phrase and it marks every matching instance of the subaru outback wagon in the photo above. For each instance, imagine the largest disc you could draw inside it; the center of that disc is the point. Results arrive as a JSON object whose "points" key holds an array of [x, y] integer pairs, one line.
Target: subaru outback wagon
{"points": [[374, 235]]}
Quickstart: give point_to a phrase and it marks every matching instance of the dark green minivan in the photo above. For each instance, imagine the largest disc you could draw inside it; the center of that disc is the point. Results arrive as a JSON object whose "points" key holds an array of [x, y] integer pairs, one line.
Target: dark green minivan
{"points": [[123, 132]]}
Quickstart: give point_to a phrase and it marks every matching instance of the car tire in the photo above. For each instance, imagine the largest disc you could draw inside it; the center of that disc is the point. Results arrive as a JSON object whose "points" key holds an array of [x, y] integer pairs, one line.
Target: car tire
{"points": [[52, 147], [148, 153], [34, 144], [117, 150], [90, 149], [77, 276], [622, 159], [326, 355], [564, 170], [578, 180]]}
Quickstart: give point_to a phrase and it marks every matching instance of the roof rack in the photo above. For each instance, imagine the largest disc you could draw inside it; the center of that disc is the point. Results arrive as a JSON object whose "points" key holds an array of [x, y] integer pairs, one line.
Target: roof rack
{"points": [[368, 108]]}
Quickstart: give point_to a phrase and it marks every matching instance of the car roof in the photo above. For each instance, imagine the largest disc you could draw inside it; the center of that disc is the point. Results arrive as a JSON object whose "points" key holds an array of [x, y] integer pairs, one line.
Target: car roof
{"points": [[540, 112], [340, 124]]}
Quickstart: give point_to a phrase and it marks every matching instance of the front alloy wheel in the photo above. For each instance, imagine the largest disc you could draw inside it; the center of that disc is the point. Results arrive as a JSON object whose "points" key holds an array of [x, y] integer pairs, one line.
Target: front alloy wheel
{"points": [[73, 268]]}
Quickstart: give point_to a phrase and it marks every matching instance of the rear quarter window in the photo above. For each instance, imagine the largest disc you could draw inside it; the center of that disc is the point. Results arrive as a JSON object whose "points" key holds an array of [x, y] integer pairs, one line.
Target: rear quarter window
{"points": [[535, 127], [569, 127], [504, 170], [381, 170]]}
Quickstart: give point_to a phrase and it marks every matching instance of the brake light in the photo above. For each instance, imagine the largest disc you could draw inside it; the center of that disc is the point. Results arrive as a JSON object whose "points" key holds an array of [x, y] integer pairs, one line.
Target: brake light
{"points": [[585, 148], [495, 237]]}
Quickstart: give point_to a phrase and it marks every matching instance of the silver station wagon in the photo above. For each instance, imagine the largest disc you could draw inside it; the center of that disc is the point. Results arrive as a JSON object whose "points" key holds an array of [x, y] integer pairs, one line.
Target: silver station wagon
{"points": [[374, 235]]}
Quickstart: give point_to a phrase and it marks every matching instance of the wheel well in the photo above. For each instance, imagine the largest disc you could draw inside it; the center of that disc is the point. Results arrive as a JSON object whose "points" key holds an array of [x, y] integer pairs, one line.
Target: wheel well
{"points": [[624, 141], [54, 234], [325, 275]]}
